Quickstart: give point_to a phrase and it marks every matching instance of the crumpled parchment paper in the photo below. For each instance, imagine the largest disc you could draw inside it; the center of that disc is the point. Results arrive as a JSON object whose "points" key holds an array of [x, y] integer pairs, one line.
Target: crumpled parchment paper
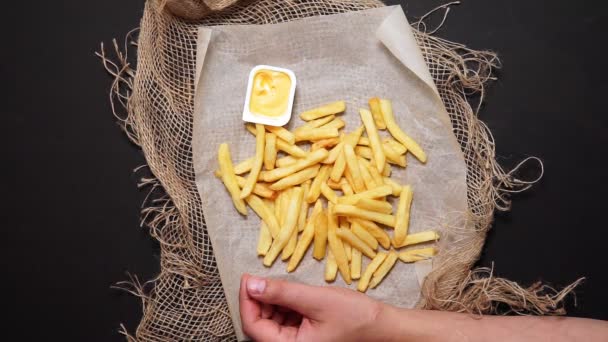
{"points": [[351, 57]]}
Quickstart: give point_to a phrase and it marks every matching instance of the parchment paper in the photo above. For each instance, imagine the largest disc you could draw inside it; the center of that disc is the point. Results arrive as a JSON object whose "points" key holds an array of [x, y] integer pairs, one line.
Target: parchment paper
{"points": [[350, 57]]}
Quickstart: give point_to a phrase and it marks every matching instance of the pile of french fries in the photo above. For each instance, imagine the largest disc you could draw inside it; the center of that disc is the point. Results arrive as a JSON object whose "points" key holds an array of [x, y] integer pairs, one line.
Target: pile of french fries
{"points": [[354, 221]]}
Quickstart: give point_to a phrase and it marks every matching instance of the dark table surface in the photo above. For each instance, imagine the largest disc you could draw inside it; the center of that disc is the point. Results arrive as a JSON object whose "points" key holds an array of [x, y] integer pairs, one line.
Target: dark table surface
{"points": [[70, 212]]}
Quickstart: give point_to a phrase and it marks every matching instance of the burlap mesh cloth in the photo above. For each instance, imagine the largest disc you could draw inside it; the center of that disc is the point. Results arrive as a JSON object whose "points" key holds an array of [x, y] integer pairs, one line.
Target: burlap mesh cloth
{"points": [[186, 301]]}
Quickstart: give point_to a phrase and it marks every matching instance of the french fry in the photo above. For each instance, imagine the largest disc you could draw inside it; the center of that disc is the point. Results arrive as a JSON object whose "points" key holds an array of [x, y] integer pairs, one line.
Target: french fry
{"points": [[282, 133], [334, 185], [398, 134], [353, 167], [315, 187], [251, 129], [329, 193], [324, 143], [270, 151], [314, 134], [346, 188], [387, 170], [293, 240], [306, 237], [343, 223], [264, 239], [374, 138], [318, 122], [369, 271], [244, 166], [296, 178], [349, 179], [331, 267], [353, 137], [416, 238], [338, 170], [311, 159], [392, 156], [377, 232], [252, 178], [325, 110], [374, 205], [363, 141], [333, 154], [259, 189], [417, 254], [336, 246], [291, 219], [292, 150], [352, 211], [368, 180], [395, 145], [352, 239], [403, 215], [394, 185], [229, 178], [365, 152], [384, 268], [264, 213], [286, 161], [304, 209], [337, 123], [364, 235], [320, 244], [377, 192], [355, 264], [374, 106], [378, 179]]}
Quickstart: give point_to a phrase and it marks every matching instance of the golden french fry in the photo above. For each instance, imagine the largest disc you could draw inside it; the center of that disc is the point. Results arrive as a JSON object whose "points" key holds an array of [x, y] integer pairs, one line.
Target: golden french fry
{"points": [[348, 236], [244, 166], [290, 246], [304, 209], [417, 254], [364, 152], [318, 122], [252, 178], [329, 193], [336, 246], [259, 189], [352, 211], [416, 238], [343, 223], [331, 267], [353, 167], [315, 187], [314, 134], [387, 170], [363, 141], [325, 110], [374, 105], [394, 185], [286, 161], [374, 205], [296, 178], [251, 129], [384, 268], [292, 150], [395, 145], [364, 235], [377, 192], [353, 137], [392, 156], [374, 138], [320, 244], [264, 213], [334, 185], [403, 215], [369, 181], [291, 219], [270, 151], [306, 238], [264, 240], [324, 143], [349, 179], [337, 123], [355, 264], [376, 176], [280, 207], [282, 133], [369, 271], [338, 170], [311, 159], [229, 178], [377, 232], [346, 188], [333, 154], [398, 134]]}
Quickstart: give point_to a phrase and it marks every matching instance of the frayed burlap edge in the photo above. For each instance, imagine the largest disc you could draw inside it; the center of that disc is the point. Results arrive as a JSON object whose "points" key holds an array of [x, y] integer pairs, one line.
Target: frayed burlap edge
{"points": [[186, 259]]}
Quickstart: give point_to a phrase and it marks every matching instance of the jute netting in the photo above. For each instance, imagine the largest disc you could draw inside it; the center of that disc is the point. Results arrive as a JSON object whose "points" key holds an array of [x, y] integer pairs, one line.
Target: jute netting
{"points": [[186, 300]]}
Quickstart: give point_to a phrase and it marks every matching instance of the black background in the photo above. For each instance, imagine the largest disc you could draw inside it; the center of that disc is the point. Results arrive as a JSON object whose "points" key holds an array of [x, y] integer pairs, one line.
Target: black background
{"points": [[70, 203]]}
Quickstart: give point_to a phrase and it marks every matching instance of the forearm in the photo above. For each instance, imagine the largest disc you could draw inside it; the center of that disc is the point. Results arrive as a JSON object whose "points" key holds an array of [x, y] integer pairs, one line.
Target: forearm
{"points": [[396, 324]]}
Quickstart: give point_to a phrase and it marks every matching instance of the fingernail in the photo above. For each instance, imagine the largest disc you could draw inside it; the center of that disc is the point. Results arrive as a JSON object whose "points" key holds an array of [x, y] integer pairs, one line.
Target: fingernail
{"points": [[256, 285]]}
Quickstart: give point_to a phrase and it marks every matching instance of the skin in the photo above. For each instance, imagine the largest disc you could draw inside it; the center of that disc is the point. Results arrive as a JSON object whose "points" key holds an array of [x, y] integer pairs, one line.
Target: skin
{"points": [[277, 310]]}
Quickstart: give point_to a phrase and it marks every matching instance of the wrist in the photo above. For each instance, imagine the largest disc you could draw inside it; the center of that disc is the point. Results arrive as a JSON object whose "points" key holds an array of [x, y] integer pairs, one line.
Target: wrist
{"points": [[397, 324]]}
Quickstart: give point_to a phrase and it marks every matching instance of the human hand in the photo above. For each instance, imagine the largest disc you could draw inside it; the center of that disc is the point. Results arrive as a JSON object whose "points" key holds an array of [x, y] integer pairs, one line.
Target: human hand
{"points": [[277, 310]]}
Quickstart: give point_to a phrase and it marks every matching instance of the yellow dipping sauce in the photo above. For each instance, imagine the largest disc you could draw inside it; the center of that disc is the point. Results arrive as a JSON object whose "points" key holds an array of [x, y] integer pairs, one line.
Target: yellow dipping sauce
{"points": [[269, 93]]}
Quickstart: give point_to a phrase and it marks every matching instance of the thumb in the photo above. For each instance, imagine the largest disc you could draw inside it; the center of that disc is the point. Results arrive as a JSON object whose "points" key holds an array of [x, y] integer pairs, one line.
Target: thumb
{"points": [[307, 300]]}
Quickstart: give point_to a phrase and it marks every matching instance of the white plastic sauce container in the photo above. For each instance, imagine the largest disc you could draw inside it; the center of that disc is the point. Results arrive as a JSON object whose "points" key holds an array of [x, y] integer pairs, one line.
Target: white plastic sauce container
{"points": [[276, 120]]}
